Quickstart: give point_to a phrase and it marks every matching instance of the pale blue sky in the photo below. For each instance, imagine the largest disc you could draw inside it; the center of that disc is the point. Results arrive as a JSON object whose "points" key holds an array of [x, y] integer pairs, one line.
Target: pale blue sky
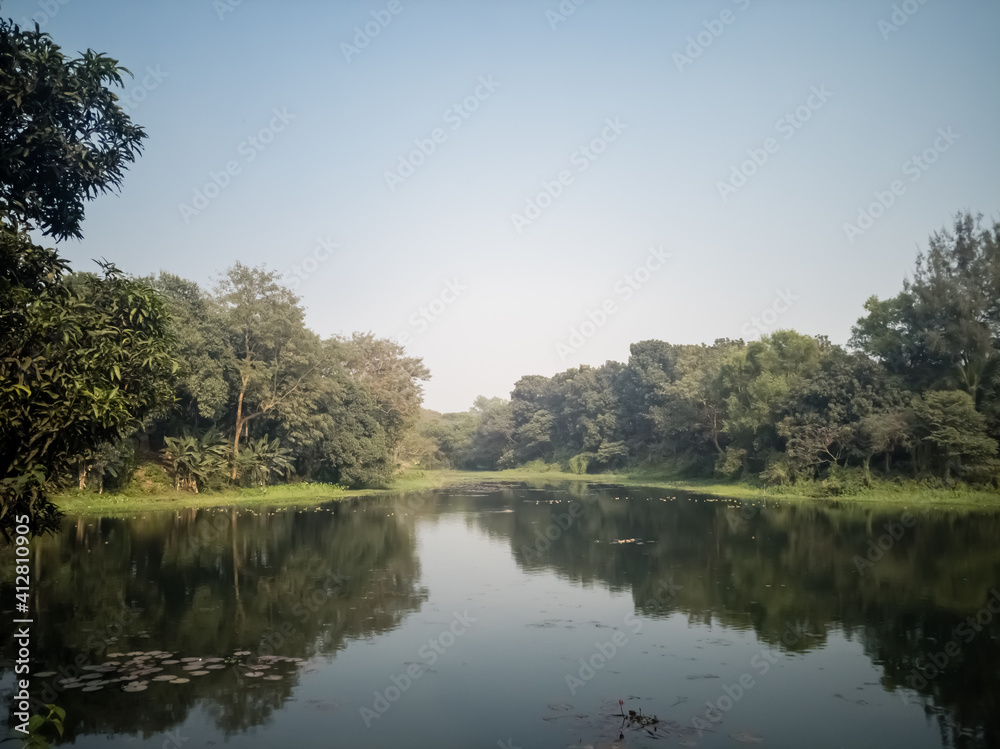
{"points": [[323, 174]]}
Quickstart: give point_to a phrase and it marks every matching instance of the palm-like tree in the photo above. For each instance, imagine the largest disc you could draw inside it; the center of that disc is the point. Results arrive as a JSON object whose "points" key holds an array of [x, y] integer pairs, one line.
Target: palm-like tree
{"points": [[194, 460], [261, 458]]}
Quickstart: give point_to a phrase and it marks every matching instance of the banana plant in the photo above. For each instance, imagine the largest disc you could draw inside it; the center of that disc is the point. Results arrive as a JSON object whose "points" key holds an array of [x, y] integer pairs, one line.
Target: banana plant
{"points": [[260, 459], [195, 461]]}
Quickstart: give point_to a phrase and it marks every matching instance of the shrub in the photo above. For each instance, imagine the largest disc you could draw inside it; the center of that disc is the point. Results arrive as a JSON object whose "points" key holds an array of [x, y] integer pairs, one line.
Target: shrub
{"points": [[731, 462]]}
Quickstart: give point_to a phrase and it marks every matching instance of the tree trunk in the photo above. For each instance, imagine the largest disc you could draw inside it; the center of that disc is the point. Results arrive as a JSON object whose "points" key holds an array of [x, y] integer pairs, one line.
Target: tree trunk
{"points": [[83, 475], [239, 426]]}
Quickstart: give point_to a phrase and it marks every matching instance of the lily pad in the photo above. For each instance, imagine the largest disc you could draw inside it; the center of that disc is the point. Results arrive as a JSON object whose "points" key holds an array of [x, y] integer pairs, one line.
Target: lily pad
{"points": [[745, 737]]}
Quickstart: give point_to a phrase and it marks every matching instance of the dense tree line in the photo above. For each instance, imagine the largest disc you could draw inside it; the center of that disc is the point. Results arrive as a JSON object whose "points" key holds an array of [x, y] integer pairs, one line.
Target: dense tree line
{"points": [[99, 371], [915, 392], [261, 397]]}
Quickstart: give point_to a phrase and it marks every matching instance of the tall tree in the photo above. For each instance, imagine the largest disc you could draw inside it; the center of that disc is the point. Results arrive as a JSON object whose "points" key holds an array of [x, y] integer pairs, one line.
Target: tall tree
{"points": [[81, 362], [271, 347], [943, 329], [333, 425], [393, 379]]}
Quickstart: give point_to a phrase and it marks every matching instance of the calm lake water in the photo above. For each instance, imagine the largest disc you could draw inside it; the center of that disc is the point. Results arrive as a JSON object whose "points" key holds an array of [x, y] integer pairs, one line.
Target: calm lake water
{"points": [[519, 616]]}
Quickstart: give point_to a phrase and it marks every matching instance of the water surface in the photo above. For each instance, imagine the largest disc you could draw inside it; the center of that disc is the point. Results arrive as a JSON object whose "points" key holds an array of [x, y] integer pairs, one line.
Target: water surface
{"points": [[519, 616]]}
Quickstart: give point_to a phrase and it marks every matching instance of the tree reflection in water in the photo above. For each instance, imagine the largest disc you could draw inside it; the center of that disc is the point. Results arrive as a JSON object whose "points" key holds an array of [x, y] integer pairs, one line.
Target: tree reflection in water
{"points": [[305, 583]]}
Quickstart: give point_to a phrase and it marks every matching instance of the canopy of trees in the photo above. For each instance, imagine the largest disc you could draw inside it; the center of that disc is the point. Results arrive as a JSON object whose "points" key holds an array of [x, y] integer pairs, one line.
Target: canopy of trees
{"points": [[915, 393], [100, 371], [261, 396]]}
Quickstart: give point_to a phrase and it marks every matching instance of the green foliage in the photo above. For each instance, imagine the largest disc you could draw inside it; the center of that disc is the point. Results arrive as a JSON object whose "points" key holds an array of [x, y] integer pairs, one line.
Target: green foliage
{"points": [[392, 378], [578, 463], [109, 466], [943, 330], [150, 478], [731, 463], [439, 440], [540, 466], [492, 442], [261, 459], [196, 461], [44, 728], [830, 416], [81, 363], [948, 422], [64, 138], [840, 481], [760, 381], [339, 410], [83, 359], [273, 355], [778, 471], [610, 456], [203, 348]]}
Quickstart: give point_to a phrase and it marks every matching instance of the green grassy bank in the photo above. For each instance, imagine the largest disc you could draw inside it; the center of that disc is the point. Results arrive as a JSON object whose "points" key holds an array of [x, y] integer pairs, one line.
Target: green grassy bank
{"points": [[303, 494]]}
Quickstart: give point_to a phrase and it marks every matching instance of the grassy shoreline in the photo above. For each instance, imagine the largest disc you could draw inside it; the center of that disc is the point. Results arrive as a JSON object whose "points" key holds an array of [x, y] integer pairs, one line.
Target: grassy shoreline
{"points": [[882, 492], [86, 503]]}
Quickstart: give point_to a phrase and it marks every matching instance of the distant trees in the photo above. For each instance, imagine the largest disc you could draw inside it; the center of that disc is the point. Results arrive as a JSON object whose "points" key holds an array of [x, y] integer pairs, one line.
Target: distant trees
{"points": [[480, 439], [918, 393]]}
